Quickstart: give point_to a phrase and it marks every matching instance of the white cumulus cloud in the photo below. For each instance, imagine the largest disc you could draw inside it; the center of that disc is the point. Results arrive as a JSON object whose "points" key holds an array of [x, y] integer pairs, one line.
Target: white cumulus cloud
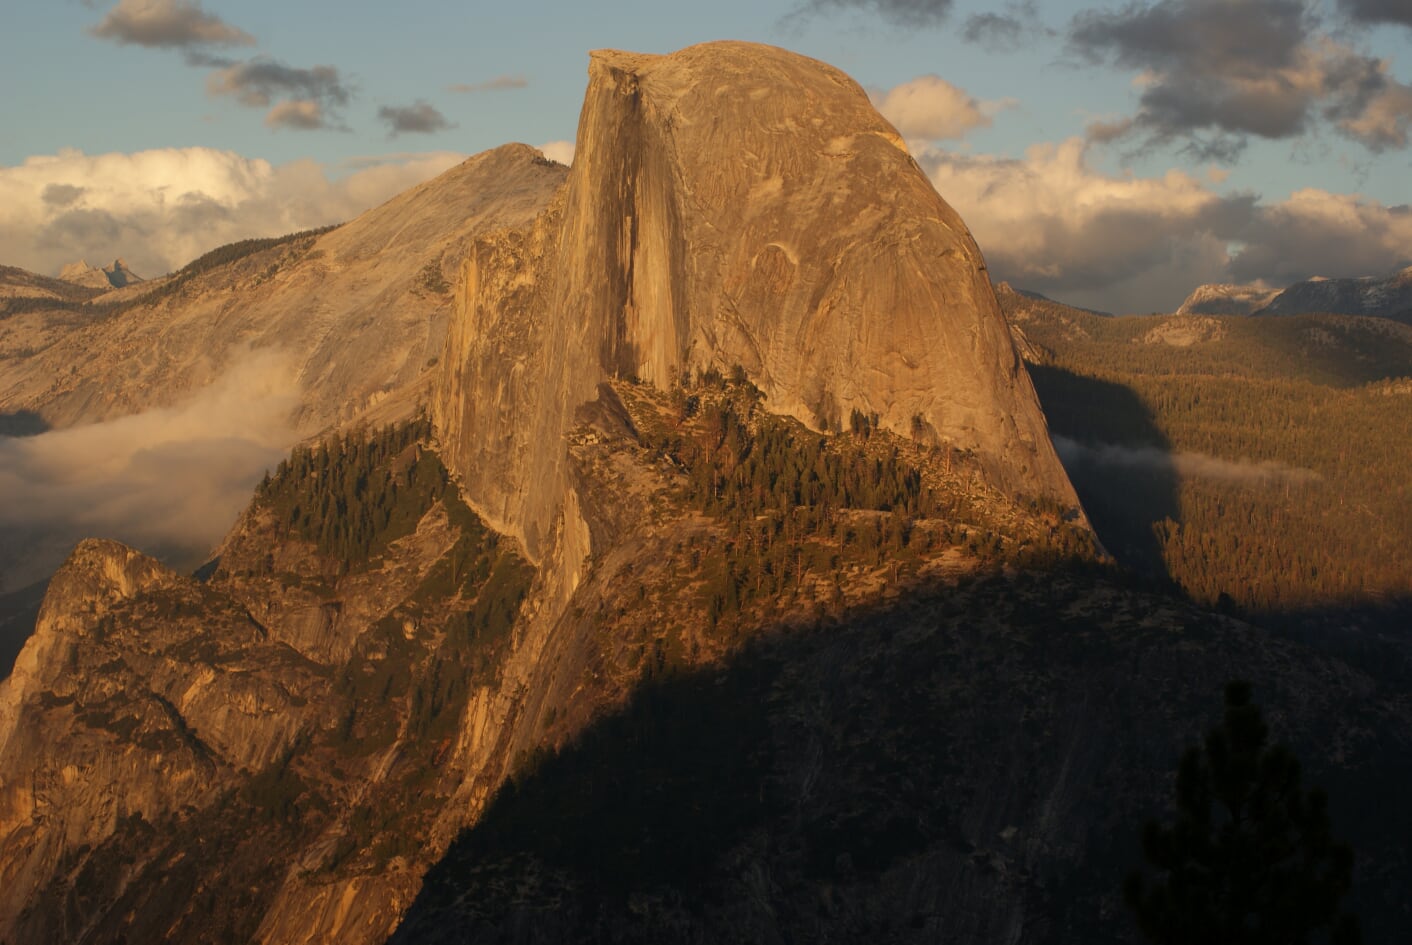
{"points": [[1317, 233], [160, 209], [928, 108], [1121, 242], [561, 151], [1052, 223]]}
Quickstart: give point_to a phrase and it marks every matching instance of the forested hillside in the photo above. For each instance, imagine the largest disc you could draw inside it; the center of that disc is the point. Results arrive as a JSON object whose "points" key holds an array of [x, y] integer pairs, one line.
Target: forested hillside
{"points": [[1260, 464]]}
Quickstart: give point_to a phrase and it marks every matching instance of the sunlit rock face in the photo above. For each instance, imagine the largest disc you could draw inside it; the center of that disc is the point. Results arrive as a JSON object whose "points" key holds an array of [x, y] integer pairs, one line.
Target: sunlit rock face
{"points": [[107, 719], [357, 315], [732, 204]]}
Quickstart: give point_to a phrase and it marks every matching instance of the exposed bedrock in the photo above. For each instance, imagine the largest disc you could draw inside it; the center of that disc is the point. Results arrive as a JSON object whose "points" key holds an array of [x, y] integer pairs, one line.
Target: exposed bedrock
{"points": [[730, 204]]}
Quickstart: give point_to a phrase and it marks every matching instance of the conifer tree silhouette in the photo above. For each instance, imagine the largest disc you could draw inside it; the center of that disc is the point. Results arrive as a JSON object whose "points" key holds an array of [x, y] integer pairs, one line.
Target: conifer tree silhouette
{"points": [[1250, 859]]}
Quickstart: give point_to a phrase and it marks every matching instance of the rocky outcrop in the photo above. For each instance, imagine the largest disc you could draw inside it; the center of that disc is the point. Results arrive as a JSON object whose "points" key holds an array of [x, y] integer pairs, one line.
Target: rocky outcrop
{"points": [[136, 696], [731, 204], [152, 717], [98, 576]]}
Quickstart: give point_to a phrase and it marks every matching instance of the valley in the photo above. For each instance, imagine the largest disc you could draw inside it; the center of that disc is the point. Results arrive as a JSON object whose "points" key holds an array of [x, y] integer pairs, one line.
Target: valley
{"points": [[1258, 464], [687, 545]]}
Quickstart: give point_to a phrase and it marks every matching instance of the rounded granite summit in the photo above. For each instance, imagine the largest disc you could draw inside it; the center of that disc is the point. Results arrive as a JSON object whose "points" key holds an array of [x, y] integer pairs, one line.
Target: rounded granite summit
{"points": [[734, 204]]}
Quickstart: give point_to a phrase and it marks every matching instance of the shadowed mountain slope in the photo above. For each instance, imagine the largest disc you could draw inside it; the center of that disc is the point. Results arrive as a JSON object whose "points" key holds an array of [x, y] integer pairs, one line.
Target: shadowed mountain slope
{"points": [[971, 764]]}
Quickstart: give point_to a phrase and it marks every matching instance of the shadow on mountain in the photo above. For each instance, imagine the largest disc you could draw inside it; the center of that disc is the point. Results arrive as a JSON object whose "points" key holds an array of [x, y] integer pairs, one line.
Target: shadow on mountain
{"points": [[1127, 491], [22, 423], [1123, 501], [1374, 635], [972, 764], [18, 612]]}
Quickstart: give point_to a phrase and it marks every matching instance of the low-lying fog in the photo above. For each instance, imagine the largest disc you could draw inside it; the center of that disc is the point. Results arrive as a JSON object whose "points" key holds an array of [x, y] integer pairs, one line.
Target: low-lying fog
{"points": [[1076, 456], [169, 482]]}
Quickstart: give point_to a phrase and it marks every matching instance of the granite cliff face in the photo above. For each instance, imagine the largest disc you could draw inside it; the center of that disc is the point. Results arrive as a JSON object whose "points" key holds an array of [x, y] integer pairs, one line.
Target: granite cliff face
{"points": [[110, 719], [731, 204]]}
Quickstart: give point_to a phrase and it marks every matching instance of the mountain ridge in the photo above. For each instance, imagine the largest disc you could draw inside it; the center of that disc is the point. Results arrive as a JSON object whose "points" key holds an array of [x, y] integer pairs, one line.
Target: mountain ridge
{"points": [[1378, 296], [358, 310]]}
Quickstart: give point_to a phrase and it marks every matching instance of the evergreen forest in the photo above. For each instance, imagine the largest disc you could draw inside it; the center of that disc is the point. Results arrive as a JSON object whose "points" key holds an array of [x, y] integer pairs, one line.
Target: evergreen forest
{"points": [[1260, 464]]}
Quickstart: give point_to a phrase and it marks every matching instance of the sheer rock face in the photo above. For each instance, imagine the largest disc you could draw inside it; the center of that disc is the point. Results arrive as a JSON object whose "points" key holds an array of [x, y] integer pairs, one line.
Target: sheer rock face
{"points": [[732, 204]]}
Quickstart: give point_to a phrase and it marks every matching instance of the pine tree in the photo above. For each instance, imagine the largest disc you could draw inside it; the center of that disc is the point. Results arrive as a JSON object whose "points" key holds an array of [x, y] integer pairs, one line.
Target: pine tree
{"points": [[1250, 859]]}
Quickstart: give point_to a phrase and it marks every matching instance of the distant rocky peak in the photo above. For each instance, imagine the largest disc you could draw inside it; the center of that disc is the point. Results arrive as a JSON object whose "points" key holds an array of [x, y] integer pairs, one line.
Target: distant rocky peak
{"points": [[1382, 296], [1387, 296], [119, 274], [1227, 300], [108, 277], [75, 271]]}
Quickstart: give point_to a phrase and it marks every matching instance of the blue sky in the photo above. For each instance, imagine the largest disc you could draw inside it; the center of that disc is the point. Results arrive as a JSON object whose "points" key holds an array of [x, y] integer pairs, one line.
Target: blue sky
{"points": [[1111, 155]]}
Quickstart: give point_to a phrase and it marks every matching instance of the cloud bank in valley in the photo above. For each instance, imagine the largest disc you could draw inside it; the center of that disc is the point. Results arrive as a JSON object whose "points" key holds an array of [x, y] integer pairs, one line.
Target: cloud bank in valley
{"points": [[169, 481], [160, 209], [1076, 456]]}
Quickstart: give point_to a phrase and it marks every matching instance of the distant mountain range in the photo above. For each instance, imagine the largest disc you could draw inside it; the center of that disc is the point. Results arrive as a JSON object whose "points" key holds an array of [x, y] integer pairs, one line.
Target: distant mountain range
{"points": [[1384, 297]]}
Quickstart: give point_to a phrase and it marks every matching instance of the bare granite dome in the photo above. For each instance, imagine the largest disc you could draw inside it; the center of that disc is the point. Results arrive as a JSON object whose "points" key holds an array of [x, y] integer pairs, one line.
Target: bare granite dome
{"points": [[729, 204]]}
